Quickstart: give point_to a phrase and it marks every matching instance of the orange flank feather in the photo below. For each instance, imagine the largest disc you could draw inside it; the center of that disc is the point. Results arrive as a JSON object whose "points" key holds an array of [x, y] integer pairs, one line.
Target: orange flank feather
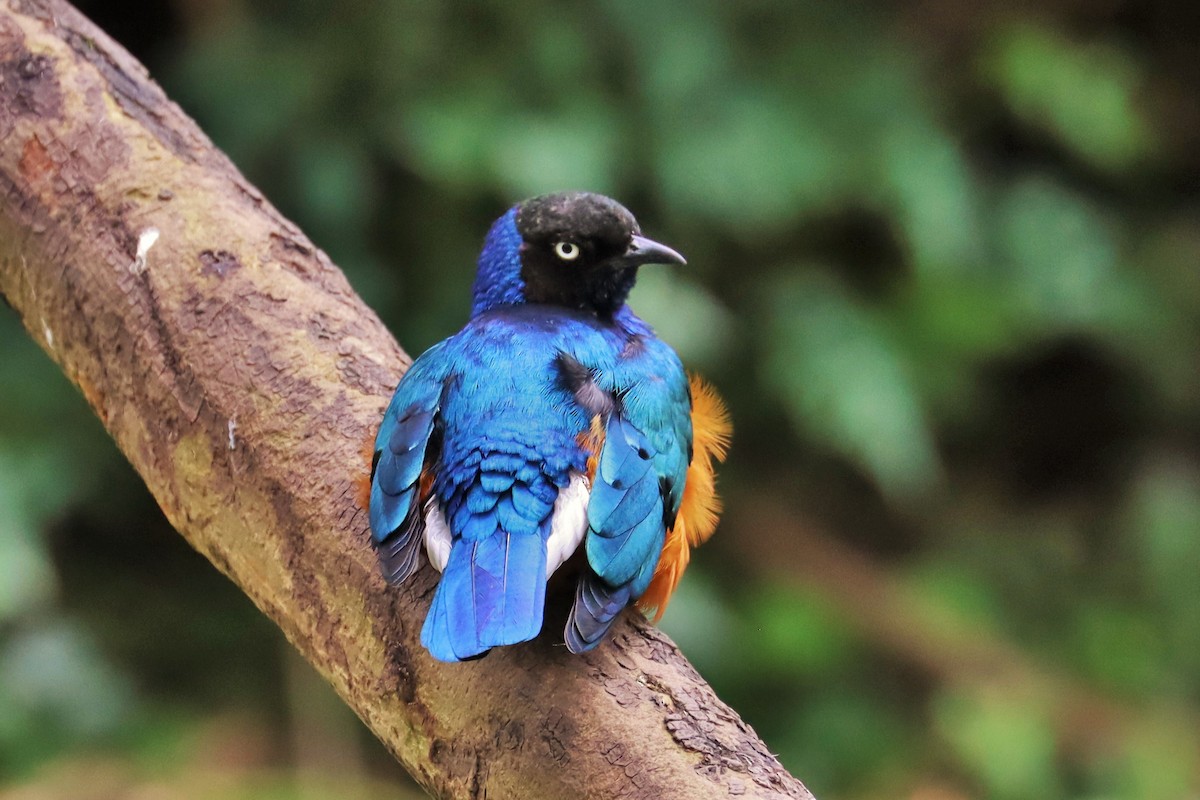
{"points": [[700, 507], [362, 481], [592, 440], [425, 487]]}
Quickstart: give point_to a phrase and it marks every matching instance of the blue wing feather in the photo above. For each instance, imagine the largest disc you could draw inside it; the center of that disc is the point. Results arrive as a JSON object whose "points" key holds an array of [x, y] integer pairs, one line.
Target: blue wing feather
{"points": [[597, 605], [400, 454], [404, 453], [625, 509], [635, 492]]}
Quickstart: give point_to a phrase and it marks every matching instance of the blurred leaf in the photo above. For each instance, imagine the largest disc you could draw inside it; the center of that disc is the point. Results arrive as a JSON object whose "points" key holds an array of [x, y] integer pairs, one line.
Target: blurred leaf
{"points": [[1084, 94], [1164, 518], [796, 633], [835, 368], [26, 576], [1163, 333], [575, 149], [449, 139], [336, 186], [1062, 255], [252, 86], [948, 324], [1006, 742], [957, 594], [55, 691], [30, 493], [702, 624], [1157, 760], [748, 160], [861, 738], [934, 198], [685, 315], [678, 51], [1120, 648]]}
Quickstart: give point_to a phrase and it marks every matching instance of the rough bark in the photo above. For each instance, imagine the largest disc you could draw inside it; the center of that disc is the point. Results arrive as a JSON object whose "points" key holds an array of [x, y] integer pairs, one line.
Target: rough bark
{"points": [[240, 374]]}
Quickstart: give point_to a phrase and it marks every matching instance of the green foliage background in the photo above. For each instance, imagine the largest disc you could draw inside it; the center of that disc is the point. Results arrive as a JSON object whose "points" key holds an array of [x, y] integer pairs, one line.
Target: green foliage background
{"points": [[944, 264]]}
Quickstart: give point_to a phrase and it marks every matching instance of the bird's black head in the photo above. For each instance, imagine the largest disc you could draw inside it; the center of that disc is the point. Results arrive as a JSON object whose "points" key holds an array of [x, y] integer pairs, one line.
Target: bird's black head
{"points": [[573, 249]]}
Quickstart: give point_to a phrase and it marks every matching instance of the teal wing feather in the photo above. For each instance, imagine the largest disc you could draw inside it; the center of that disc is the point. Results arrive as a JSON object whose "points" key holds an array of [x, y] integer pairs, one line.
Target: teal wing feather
{"points": [[401, 452], [635, 493], [625, 510]]}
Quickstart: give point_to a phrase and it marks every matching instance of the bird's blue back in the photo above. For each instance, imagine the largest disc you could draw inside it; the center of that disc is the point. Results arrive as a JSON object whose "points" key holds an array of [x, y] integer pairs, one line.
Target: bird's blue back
{"points": [[490, 425]]}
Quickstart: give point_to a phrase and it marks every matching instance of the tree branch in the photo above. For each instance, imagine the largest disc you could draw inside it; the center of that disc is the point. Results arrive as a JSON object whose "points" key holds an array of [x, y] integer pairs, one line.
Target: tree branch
{"points": [[240, 374]]}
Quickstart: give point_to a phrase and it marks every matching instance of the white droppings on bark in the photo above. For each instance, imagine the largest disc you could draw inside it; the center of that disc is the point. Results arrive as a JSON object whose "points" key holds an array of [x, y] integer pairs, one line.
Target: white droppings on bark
{"points": [[232, 428], [145, 242]]}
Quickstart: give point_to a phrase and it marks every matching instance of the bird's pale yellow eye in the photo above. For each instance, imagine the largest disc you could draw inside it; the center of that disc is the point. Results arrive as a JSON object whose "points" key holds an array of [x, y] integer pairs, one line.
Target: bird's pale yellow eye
{"points": [[567, 251]]}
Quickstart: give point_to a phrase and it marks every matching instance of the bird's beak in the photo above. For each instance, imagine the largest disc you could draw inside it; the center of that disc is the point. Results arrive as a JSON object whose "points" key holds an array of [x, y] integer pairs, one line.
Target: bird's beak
{"points": [[647, 251]]}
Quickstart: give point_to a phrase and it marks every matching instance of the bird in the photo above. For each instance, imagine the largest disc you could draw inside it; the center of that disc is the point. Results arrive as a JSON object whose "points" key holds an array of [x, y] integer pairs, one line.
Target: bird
{"points": [[554, 431]]}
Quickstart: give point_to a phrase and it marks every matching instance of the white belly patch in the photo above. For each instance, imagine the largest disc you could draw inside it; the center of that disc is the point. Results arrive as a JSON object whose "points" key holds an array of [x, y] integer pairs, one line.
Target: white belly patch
{"points": [[568, 525]]}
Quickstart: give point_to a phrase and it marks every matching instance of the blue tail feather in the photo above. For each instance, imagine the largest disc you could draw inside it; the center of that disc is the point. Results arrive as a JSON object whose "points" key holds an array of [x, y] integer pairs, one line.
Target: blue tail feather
{"points": [[436, 635], [491, 593]]}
